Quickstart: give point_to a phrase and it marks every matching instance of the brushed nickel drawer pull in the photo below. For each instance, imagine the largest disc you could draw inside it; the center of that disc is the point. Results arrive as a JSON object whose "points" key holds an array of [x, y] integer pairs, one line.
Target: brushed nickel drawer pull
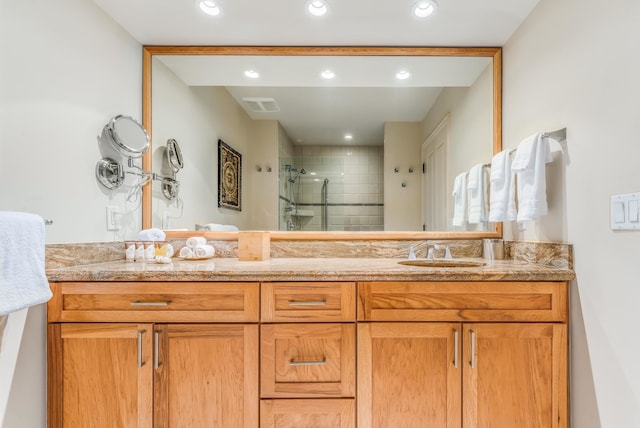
{"points": [[309, 303], [322, 362], [139, 303]]}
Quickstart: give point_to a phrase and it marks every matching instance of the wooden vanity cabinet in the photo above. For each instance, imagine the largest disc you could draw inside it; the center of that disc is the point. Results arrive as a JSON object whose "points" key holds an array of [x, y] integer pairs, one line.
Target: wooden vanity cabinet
{"points": [[308, 354], [430, 354], [122, 369]]}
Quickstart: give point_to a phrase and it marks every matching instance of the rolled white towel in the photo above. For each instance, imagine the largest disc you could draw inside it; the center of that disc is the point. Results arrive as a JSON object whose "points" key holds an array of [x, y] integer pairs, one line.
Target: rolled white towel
{"points": [[204, 251], [186, 252], [153, 234], [195, 241]]}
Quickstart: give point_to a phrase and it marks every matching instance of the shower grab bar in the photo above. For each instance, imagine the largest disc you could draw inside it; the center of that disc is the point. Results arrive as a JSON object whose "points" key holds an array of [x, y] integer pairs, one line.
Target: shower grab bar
{"points": [[325, 204]]}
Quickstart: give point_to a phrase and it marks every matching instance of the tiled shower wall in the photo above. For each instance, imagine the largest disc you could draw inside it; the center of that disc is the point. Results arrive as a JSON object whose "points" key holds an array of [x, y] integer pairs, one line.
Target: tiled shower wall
{"points": [[355, 188]]}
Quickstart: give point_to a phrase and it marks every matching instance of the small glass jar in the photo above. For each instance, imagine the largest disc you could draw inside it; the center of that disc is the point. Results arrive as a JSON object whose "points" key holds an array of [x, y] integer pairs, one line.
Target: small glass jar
{"points": [[139, 254], [149, 250], [129, 250], [161, 248]]}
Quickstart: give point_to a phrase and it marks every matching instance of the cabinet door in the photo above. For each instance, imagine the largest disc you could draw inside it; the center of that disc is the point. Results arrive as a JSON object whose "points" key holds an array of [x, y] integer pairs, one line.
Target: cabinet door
{"points": [[100, 375], [515, 375], [409, 375], [206, 376]]}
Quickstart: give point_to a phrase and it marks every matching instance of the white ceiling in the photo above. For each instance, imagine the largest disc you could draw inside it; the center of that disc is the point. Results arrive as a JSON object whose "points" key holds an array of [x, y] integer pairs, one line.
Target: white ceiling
{"points": [[362, 95]]}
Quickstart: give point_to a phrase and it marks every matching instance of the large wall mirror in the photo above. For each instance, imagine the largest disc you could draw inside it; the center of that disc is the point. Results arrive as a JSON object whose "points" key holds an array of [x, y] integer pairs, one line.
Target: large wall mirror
{"points": [[334, 142]]}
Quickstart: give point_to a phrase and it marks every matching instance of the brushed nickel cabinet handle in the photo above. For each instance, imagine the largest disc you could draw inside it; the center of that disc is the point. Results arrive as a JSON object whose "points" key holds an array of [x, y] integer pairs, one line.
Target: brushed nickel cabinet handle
{"points": [[455, 348], [472, 362], [156, 349], [140, 333], [322, 362], [310, 303], [139, 303]]}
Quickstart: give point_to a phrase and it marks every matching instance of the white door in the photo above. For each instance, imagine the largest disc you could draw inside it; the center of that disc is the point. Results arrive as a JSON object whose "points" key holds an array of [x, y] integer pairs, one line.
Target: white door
{"points": [[434, 195]]}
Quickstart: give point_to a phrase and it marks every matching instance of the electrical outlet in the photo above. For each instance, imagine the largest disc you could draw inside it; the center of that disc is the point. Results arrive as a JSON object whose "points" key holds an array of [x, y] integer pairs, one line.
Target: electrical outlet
{"points": [[113, 217]]}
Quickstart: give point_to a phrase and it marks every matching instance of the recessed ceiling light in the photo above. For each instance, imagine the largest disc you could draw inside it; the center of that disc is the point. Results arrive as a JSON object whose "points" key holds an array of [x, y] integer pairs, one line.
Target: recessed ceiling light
{"points": [[425, 8], [328, 74], [317, 7], [348, 137], [403, 74], [251, 74], [209, 7]]}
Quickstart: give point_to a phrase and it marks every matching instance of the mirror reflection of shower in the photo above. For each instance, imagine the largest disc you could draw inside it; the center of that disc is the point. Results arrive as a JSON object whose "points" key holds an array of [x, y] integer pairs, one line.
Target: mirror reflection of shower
{"points": [[293, 183], [330, 188]]}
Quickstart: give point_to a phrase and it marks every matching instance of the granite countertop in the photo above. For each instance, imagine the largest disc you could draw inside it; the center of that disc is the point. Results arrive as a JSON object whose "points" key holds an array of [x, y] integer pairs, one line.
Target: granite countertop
{"points": [[306, 269]]}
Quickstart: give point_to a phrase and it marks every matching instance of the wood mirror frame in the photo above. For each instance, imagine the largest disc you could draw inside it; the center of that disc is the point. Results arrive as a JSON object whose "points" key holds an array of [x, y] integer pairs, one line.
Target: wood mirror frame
{"points": [[493, 52]]}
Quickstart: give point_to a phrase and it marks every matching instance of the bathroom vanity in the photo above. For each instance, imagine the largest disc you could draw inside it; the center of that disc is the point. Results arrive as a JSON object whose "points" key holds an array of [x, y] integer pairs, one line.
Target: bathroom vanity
{"points": [[308, 342]]}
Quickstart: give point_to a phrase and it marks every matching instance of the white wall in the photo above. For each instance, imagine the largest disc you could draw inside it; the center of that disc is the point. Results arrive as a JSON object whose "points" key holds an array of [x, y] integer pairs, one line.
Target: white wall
{"points": [[65, 70], [575, 65]]}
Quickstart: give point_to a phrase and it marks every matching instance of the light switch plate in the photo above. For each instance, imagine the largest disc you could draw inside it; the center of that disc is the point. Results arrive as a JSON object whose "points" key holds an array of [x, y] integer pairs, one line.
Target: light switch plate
{"points": [[625, 211], [113, 217]]}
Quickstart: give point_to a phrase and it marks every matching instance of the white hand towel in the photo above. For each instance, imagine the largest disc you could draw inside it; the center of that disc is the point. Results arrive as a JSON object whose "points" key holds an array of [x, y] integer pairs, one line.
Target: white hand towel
{"points": [[503, 189], [152, 234], [195, 241], [203, 251], [529, 165], [477, 186], [23, 281], [459, 200], [216, 227], [186, 252]]}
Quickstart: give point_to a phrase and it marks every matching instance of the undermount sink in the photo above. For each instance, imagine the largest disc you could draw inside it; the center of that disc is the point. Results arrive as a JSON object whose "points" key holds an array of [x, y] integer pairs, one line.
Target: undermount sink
{"points": [[442, 263]]}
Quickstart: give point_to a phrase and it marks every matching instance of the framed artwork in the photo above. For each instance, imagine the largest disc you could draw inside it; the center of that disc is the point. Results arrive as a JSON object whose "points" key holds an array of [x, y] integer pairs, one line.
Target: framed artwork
{"points": [[229, 177]]}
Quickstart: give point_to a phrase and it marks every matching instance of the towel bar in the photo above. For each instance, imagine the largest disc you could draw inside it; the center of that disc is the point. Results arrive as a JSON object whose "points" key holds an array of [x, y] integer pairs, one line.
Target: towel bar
{"points": [[558, 134]]}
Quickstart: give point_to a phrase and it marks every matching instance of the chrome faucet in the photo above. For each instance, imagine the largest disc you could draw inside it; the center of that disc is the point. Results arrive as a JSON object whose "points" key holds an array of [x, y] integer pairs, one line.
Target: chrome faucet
{"points": [[446, 248]]}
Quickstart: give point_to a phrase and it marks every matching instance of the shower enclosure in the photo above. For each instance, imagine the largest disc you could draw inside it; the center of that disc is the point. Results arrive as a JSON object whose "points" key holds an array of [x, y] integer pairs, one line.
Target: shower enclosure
{"points": [[331, 188]]}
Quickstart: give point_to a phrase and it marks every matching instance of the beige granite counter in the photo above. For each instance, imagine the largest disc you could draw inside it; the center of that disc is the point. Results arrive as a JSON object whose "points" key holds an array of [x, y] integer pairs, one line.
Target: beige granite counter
{"points": [[306, 269]]}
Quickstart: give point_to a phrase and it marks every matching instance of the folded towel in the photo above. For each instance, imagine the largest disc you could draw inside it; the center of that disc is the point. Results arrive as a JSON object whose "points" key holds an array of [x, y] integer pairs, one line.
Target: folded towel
{"points": [[477, 186], [186, 252], [532, 155], [502, 204], [459, 200], [23, 281], [203, 251], [194, 241], [152, 234], [217, 227]]}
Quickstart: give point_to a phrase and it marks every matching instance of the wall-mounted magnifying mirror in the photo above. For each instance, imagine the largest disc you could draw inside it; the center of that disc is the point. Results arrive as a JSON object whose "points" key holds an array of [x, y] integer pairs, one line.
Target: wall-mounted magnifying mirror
{"points": [[174, 155], [127, 135], [129, 139]]}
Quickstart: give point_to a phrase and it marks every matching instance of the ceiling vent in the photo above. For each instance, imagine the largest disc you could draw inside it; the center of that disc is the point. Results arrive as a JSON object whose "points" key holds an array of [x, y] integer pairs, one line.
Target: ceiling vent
{"points": [[261, 105]]}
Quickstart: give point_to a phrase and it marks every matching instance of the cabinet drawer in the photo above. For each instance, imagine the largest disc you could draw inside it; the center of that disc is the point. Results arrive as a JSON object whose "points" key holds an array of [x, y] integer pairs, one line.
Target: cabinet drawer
{"points": [[154, 301], [308, 360], [462, 301], [308, 301], [313, 412]]}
